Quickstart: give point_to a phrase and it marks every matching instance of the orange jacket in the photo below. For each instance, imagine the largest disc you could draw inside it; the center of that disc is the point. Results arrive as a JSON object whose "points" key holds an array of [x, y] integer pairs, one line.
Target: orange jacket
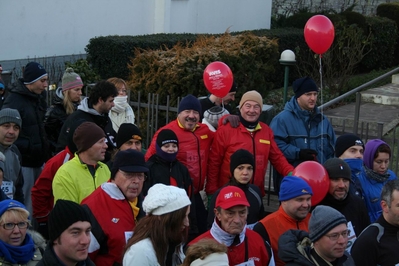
{"points": [[193, 150], [260, 143], [278, 223]]}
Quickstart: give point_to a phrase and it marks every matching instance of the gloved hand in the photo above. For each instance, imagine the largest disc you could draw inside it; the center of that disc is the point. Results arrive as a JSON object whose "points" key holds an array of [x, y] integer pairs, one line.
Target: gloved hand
{"points": [[307, 155], [234, 120]]}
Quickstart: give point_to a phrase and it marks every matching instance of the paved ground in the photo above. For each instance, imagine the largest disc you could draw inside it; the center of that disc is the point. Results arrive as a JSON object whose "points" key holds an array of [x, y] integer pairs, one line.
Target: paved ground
{"points": [[372, 113]]}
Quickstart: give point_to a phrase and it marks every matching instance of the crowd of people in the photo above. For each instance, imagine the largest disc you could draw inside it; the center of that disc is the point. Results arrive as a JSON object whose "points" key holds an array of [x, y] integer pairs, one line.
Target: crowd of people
{"points": [[80, 188]]}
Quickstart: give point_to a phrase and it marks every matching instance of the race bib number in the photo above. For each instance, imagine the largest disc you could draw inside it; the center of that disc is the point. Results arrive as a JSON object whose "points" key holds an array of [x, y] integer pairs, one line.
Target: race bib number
{"points": [[128, 235], [7, 187], [351, 237], [247, 263]]}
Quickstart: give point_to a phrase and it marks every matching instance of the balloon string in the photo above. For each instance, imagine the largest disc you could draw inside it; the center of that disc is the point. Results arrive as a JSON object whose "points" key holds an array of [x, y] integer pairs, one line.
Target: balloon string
{"points": [[321, 101]]}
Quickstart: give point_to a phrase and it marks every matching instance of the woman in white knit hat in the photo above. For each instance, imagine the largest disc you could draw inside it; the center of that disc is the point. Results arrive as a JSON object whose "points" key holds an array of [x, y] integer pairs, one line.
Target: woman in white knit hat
{"points": [[158, 238]]}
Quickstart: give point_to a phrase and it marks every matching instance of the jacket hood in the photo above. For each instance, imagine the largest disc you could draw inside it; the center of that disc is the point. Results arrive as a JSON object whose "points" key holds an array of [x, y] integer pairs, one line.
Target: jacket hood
{"points": [[293, 107], [20, 88], [58, 97], [84, 106], [293, 247]]}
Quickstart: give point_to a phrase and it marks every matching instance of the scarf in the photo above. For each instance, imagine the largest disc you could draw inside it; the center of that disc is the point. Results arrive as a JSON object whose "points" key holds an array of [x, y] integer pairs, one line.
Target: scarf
{"points": [[249, 125], [18, 254], [168, 157], [381, 178], [225, 238], [120, 104]]}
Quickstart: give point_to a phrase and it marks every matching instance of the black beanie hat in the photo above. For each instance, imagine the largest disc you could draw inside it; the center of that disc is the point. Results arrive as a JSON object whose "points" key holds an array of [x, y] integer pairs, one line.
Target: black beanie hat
{"points": [[130, 161], [337, 168], [304, 85], [190, 102], [86, 135], [346, 141], [126, 132], [33, 72], [240, 156], [167, 136], [63, 215]]}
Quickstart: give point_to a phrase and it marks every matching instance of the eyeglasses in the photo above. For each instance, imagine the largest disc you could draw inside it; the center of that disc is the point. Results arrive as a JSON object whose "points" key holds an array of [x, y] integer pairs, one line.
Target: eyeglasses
{"points": [[335, 236], [11, 226], [129, 176]]}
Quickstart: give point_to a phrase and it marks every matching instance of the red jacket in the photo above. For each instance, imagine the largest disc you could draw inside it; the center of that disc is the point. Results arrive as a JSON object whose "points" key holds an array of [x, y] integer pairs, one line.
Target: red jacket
{"points": [[42, 191], [260, 143], [113, 224], [278, 223], [256, 249], [193, 150]]}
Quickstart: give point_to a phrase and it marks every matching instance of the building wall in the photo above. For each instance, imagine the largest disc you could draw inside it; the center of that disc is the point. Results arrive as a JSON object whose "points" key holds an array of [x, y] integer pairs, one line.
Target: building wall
{"points": [[41, 28]]}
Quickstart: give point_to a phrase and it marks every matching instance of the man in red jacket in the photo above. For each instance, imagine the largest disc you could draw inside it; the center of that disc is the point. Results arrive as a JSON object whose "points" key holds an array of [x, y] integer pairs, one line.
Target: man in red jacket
{"points": [[115, 207], [251, 135], [194, 142], [245, 247]]}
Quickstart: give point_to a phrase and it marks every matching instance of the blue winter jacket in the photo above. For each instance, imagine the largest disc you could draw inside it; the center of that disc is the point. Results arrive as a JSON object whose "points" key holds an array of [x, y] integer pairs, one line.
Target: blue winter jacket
{"points": [[371, 190], [295, 129]]}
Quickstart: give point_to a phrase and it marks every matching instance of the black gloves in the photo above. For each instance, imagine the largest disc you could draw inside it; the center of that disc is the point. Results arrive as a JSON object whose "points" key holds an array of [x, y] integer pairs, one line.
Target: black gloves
{"points": [[308, 155], [234, 120]]}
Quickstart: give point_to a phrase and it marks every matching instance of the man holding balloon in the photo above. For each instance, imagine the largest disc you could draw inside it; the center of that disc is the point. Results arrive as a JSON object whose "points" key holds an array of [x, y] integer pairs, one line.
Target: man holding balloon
{"points": [[213, 100], [301, 131]]}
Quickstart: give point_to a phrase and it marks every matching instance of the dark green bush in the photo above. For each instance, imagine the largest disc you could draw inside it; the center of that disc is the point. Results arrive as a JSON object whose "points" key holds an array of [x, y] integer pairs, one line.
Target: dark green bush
{"points": [[110, 55], [384, 36], [391, 11]]}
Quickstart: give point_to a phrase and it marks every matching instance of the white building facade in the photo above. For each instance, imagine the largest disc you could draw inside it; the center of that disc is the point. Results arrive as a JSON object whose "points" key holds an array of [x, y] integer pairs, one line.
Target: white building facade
{"points": [[47, 28]]}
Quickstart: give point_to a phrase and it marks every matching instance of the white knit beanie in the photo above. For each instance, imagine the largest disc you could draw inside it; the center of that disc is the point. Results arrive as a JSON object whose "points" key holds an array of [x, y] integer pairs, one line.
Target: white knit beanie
{"points": [[219, 259], [162, 199]]}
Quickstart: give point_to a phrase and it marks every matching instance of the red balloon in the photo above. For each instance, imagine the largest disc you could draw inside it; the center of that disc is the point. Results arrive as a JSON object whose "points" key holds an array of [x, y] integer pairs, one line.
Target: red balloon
{"points": [[316, 176], [319, 33], [218, 78]]}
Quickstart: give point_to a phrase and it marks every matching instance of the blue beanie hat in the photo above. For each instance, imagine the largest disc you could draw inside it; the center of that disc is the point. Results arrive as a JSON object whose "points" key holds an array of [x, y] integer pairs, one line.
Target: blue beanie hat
{"points": [[190, 102], [33, 72], [292, 187], [8, 204], [304, 85]]}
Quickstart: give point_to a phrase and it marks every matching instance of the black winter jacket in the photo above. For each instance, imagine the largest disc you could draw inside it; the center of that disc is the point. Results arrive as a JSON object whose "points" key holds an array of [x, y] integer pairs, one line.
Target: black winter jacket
{"points": [[256, 209], [55, 118], [86, 113], [50, 259], [32, 141]]}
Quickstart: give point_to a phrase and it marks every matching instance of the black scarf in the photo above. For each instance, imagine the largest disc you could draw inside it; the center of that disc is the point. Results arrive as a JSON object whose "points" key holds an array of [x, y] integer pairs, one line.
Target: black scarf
{"points": [[249, 125]]}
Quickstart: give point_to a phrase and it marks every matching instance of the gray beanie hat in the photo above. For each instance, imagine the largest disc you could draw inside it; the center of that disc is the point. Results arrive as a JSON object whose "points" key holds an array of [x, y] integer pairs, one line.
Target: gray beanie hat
{"points": [[323, 219], [8, 115]]}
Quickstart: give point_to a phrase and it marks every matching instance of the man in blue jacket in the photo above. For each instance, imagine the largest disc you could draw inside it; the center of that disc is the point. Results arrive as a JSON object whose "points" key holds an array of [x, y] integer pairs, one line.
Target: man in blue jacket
{"points": [[301, 131]]}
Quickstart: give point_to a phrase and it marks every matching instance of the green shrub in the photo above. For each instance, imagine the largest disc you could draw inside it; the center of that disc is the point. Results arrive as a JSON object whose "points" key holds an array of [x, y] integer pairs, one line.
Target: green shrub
{"points": [[384, 34], [391, 11], [111, 55], [178, 71]]}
